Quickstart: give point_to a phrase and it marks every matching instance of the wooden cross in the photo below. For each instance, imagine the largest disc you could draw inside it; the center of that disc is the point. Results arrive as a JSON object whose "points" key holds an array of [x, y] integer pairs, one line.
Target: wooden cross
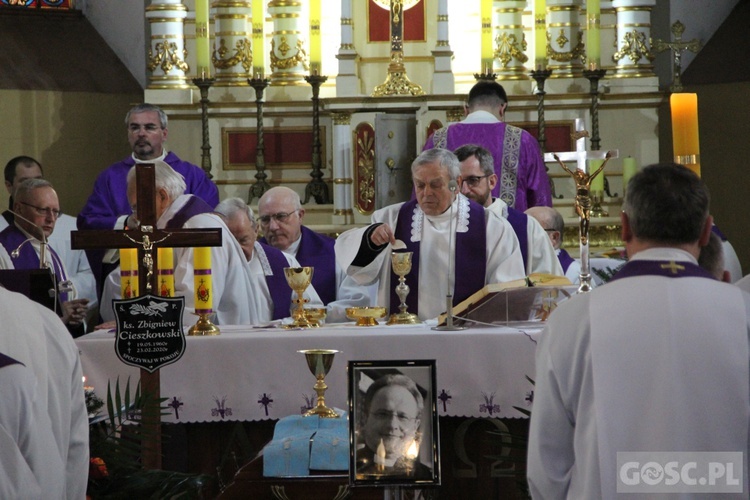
{"points": [[677, 47], [147, 238]]}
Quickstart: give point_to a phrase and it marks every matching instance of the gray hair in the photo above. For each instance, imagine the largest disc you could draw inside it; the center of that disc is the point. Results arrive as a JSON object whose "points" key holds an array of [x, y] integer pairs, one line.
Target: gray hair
{"points": [[445, 158], [166, 178], [284, 191], [231, 206], [711, 257], [144, 107], [484, 157], [24, 189]]}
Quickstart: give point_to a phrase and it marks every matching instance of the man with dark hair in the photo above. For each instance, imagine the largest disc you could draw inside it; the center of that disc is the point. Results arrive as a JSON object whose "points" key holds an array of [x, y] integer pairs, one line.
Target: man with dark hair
{"points": [[656, 361], [518, 160]]}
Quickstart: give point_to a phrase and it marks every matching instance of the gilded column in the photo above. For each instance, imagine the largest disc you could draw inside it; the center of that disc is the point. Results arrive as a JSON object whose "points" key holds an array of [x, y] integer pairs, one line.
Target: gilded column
{"points": [[347, 81], [633, 56], [232, 49], [289, 58], [565, 44], [166, 53], [342, 168], [443, 81], [508, 40]]}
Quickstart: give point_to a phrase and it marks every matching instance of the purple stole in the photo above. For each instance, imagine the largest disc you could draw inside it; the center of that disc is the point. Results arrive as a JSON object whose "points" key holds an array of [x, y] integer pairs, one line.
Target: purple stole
{"points": [[565, 259], [668, 269], [11, 238], [316, 250], [715, 229], [277, 284], [519, 221], [7, 361], [194, 206], [470, 257]]}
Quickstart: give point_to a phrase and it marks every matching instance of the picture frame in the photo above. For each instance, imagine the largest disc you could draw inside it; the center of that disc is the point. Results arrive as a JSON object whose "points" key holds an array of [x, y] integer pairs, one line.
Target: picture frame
{"points": [[392, 440]]}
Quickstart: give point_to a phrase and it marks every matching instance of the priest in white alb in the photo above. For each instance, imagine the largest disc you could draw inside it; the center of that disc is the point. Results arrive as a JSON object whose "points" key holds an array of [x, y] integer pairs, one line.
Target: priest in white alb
{"points": [[439, 225]]}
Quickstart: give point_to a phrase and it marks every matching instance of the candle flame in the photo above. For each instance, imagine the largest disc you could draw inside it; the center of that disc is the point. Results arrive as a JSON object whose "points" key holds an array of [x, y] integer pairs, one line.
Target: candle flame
{"points": [[412, 452]]}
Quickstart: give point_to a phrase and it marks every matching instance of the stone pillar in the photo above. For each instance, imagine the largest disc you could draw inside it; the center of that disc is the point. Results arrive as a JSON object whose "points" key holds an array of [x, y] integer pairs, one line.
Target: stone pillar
{"points": [[343, 172], [167, 56], [289, 59], [443, 81], [633, 56], [232, 53], [565, 43], [508, 40], [347, 81]]}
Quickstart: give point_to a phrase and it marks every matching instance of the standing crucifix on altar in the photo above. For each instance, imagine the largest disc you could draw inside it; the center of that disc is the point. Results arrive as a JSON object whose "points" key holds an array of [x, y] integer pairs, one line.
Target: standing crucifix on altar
{"points": [[147, 238]]}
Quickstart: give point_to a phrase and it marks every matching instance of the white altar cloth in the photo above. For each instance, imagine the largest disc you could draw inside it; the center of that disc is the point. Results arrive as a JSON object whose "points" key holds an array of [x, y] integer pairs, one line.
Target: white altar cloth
{"points": [[256, 374]]}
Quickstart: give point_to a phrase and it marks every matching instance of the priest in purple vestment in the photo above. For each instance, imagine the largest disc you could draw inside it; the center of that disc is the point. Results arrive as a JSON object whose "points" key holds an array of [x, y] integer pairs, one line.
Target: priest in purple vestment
{"points": [[518, 159], [554, 225]]}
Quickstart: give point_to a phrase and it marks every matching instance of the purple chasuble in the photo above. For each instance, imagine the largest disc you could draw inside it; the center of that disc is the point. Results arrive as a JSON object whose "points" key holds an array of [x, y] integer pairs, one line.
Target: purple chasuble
{"points": [[470, 257], [565, 260], [668, 269], [7, 361], [277, 284], [11, 238], [194, 206], [519, 221]]}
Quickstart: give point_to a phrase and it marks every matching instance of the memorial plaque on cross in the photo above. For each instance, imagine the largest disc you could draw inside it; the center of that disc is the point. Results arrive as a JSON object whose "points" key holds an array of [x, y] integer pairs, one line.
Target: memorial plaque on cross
{"points": [[147, 238]]}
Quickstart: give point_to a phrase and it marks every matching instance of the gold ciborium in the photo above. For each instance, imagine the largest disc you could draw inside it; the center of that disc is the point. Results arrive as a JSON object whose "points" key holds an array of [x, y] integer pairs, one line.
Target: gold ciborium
{"points": [[319, 362], [401, 262], [365, 316], [315, 315], [299, 279]]}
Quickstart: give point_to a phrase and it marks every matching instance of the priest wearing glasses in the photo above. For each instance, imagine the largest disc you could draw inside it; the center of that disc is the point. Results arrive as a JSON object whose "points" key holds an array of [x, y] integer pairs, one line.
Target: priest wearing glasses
{"points": [[439, 226]]}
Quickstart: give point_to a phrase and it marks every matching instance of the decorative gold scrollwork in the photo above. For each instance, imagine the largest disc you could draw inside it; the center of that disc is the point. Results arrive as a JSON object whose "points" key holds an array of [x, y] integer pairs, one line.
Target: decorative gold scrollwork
{"points": [[507, 49], [576, 53], [166, 57], [242, 55], [634, 47], [366, 169], [300, 57]]}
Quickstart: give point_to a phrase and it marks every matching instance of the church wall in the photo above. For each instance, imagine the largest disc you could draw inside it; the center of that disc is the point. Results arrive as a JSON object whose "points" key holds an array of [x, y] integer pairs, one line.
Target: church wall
{"points": [[73, 134]]}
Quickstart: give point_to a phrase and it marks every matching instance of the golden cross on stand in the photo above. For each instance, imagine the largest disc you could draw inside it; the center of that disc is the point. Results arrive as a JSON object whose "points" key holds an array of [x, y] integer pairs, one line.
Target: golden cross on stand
{"points": [[147, 238], [397, 83], [676, 46]]}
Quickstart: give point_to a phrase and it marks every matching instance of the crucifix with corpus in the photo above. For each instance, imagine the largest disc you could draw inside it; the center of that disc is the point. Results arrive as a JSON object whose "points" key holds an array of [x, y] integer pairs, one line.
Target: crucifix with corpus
{"points": [[147, 238], [582, 178]]}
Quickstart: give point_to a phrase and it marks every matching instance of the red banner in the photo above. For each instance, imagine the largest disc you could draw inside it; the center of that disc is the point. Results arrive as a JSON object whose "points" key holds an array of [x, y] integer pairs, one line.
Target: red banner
{"points": [[379, 23]]}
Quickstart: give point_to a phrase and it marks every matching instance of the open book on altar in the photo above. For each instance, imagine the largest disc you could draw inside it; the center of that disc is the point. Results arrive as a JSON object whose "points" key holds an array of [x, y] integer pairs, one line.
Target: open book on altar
{"points": [[529, 299]]}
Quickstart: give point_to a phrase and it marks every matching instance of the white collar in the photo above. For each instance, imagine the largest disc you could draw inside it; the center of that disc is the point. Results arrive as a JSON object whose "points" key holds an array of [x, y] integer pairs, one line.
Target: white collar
{"points": [[480, 116], [664, 253]]}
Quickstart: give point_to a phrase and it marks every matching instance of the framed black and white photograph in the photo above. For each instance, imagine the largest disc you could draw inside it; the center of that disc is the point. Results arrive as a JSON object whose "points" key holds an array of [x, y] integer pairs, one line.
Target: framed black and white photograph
{"points": [[393, 423]]}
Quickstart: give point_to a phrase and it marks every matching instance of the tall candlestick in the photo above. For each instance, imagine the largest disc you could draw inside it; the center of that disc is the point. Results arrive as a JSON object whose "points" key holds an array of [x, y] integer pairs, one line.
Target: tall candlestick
{"points": [[258, 38], [487, 52], [165, 271], [685, 140], [128, 273], [315, 43], [540, 34], [202, 42], [629, 169], [202, 280], [597, 183], [593, 49]]}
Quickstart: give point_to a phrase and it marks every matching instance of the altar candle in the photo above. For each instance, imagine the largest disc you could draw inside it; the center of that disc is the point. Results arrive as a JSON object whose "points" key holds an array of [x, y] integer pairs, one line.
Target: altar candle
{"points": [[128, 273], [629, 169], [258, 55], [202, 280], [593, 49], [165, 271], [379, 457], [540, 34], [487, 52], [597, 183], [315, 42], [685, 142], [202, 42]]}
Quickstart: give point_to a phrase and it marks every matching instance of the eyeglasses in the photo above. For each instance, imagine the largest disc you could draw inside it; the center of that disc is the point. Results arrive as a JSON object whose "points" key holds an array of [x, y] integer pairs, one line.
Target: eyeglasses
{"points": [[135, 128], [387, 416], [43, 211], [279, 217], [473, 180]]}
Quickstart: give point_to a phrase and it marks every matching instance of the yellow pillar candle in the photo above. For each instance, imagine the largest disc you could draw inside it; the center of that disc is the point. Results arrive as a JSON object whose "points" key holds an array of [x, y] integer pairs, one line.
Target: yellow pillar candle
{"points": [[165, 271], [315, 42], [685, 140], [258, 38], [202, 280], [629, 169], [128, 273], [597, 183], [593, 49], [540, 34], [202, 42], [487, 51]]}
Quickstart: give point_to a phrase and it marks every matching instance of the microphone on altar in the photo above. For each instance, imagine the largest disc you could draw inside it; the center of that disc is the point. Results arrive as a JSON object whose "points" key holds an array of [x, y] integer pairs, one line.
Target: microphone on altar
{"points": [[449, 326]]}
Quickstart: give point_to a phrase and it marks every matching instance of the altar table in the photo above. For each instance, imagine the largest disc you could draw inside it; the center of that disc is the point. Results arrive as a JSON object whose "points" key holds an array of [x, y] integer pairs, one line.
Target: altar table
{"points": [[250, 374]]}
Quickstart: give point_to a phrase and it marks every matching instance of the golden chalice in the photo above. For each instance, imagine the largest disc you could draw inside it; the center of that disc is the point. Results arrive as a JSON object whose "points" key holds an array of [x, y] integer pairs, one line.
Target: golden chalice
{"points": [[299, 279], [366, 316], [401, 262], [319, 362]]}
